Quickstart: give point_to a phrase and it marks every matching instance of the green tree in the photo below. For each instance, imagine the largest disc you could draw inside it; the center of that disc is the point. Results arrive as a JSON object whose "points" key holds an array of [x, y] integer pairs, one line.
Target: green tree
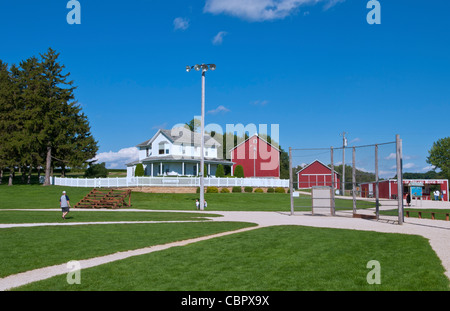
{"points": [[194, 124], [239, 171], [63, 127], [139, 170], [10, 119], [96, 170], [439, 156], [220, 171]]}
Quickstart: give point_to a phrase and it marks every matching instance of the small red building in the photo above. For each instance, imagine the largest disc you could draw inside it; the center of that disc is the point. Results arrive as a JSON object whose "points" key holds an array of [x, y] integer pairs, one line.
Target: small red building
{"points": [[316, 174], [257, 157], [387, 189]]}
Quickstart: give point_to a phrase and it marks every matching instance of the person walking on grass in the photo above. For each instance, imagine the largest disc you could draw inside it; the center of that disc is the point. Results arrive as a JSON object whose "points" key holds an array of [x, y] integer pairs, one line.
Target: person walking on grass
{"points": [[65, 204]]}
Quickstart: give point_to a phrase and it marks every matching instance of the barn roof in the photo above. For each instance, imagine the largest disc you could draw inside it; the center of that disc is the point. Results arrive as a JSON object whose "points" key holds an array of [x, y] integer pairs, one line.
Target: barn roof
{"points": [[317, 162], [258, 138]]}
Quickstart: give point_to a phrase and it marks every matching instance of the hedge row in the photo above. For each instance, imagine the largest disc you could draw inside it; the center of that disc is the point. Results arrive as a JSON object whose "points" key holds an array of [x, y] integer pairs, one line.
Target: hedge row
{"points": [[246, 189]]}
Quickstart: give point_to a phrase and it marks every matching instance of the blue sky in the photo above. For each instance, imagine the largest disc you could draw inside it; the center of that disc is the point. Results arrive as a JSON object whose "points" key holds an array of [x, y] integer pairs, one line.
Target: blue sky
{"points": [[314, 67]]}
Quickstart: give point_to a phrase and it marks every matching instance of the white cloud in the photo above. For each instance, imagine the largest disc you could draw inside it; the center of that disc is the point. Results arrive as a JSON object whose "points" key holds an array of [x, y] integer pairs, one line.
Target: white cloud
{"points": [[180, 23], [118, 159], [409, 165], [219, 109], [260, 102], [428, 168], [331, 3], [261, 10], [355, 140], [218, 39], [391, 156]]}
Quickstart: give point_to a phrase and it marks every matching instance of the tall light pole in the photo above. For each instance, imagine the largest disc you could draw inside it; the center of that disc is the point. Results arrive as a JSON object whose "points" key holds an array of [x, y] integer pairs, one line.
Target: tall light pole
{"points": [[204, 68], [344, 144]]}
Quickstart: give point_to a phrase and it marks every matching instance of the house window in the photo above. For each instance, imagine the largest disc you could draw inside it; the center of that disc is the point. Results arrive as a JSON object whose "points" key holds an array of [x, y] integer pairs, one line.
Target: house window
{"points": [[161, 147], [147, 152]]}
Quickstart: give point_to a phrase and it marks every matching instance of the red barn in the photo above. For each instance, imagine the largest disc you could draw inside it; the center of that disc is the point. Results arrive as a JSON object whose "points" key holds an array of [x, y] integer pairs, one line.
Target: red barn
{"points": [[387, 189], [257, 157], [316, 174]]}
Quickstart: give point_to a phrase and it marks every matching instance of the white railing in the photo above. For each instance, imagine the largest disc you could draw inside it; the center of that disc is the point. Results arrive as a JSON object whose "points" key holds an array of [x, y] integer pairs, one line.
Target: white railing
{"points": [[168, 182]]}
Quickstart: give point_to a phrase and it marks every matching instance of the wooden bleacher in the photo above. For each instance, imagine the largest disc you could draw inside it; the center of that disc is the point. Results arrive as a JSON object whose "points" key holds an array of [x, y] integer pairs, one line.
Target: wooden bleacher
{"points": [[105, 198]]}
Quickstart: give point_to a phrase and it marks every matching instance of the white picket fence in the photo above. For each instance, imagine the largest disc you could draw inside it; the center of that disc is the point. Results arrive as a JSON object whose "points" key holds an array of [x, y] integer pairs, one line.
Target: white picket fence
{"points": [[168, 182]]}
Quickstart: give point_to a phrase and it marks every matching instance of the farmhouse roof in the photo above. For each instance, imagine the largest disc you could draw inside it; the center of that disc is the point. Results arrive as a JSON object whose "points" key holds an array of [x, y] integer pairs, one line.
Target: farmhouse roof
{"points": [[182, 135]]}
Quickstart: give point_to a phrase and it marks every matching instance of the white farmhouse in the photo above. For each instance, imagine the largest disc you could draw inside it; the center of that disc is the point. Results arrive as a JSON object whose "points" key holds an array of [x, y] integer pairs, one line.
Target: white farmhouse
{"points": [[176, 152]]}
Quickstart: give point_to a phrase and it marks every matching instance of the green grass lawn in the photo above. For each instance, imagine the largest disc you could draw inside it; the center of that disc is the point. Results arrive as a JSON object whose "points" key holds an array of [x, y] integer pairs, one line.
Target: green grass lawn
{"points": [[37, 196], [278, 258], [275, 258], [23, 249], [426, 213], [18, 217]]}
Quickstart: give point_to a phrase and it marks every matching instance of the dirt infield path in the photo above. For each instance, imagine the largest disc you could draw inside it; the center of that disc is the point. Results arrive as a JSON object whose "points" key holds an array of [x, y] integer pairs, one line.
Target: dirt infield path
{"points": [[436, 231]]}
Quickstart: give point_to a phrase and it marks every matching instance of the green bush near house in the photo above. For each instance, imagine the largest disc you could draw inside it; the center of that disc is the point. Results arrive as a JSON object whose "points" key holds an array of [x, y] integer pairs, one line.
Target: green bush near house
{"points": [[239, 171], [270, 190], [139, 171], [224, 190], [279, 190], [220, 172], [259, 190], [212, 189], [236, 189], [248, 189]]}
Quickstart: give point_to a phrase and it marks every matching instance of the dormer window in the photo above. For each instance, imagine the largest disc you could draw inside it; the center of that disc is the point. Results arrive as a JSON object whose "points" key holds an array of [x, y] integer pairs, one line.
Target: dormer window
{"points": [[162, 146]]}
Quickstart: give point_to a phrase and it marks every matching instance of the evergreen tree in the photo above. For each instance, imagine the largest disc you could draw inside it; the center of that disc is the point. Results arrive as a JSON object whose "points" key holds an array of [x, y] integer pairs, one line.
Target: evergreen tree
{"points": [[239, 171], [39, 119], [10, 120], [64, 128], [139, 170], [220, 171]]}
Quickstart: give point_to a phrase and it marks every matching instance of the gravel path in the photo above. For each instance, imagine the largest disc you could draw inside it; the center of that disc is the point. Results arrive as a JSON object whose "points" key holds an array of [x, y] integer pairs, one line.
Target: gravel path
{"points": [[436, 231]]}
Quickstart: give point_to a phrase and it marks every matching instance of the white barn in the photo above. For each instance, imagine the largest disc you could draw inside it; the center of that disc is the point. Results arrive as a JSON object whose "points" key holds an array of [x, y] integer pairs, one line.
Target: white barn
{"points": [[176, 152]]}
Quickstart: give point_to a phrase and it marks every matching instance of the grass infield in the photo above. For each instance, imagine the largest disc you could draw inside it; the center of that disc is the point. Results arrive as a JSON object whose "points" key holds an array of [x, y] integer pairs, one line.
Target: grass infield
{"points": [[282, 258]]}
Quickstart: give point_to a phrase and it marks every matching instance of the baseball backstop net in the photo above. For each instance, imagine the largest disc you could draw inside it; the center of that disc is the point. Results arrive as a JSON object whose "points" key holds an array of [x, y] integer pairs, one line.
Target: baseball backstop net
{"points": [[348, 180]]}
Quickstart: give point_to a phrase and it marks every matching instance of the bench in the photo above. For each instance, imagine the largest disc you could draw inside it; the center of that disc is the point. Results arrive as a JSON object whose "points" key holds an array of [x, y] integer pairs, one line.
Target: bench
{"points": [[433, 214]]}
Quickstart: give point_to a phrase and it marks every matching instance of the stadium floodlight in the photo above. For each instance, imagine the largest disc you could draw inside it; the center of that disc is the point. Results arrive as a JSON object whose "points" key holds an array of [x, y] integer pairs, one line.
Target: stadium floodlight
{"points": [[204, 68]]}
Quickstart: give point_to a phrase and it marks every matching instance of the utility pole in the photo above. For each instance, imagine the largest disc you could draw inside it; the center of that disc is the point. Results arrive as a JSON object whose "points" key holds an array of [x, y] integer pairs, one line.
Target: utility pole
{"points": [[344, 144]]}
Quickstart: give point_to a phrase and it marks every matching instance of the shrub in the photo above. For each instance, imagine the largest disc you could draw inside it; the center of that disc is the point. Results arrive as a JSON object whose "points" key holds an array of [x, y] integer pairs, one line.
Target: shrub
{"points": [[220, 171], [139, 171], [248, 189], [279, 190], [225, 190], [239, 171], [97, 170], [270, 190], [259, 190], [236, 189], [212, 190]]}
